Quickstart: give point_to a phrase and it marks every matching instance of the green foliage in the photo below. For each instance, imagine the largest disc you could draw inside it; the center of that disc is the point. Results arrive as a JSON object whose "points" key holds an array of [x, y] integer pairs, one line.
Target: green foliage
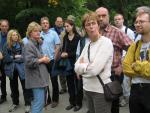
{"points": [[125, 7], [26, 16], [68, 7], [21, 12]]}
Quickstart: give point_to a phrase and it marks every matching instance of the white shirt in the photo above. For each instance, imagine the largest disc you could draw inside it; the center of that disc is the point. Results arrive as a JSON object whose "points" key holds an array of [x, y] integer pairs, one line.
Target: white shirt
{"points": [[101, 56], [129, 33], [139, 36], [143, 54]]}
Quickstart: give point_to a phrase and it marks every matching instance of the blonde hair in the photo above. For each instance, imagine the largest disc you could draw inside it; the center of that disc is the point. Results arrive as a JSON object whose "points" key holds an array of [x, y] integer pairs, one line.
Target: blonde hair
{"points": [[89, 16], [9, 37], [31, 27]]}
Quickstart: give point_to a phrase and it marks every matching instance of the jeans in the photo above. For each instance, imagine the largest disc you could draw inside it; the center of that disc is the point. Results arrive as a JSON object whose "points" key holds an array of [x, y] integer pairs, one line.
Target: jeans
{"points": [[126, 86], [38, 100]]}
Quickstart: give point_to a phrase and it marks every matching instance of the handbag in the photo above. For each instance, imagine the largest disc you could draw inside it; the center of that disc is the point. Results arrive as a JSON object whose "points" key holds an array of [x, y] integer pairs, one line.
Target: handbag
{"points": [[112, 90], [62, 66]]}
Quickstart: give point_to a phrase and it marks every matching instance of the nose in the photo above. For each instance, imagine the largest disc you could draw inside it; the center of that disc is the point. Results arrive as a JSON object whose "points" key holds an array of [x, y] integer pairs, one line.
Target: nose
{"points": [[101, 18]]}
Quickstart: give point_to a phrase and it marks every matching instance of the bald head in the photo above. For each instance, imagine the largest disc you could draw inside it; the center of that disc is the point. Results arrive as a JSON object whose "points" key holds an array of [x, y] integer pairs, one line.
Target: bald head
{"points": [[59, 22], [4, 25], [103, 15], [102, 9]]}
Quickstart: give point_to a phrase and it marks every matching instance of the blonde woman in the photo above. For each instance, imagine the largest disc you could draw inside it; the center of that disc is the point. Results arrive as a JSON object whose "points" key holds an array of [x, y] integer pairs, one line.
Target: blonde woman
{"points": [[14, 68], [37, 76]]}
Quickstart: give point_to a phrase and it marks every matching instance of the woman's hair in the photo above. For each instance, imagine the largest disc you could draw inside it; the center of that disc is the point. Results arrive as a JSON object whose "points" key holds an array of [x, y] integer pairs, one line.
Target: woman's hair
{"points": [[9, 37], [70, 22], [31, 27], [89, 16]]}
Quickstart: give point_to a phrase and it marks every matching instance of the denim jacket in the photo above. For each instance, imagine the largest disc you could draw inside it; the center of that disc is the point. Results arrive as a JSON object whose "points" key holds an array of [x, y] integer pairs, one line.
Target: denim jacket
{"points": [[12, 63]]}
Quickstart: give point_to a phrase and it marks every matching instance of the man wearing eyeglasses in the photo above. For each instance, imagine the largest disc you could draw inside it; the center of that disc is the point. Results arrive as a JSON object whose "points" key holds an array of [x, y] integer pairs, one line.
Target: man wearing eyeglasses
{"points": [[137, 66], [120, 42]]}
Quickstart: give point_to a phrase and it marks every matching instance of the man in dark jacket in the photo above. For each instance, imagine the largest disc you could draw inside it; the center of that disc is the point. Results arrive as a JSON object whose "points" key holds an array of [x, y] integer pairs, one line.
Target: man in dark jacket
{"points": [[3, 38]]}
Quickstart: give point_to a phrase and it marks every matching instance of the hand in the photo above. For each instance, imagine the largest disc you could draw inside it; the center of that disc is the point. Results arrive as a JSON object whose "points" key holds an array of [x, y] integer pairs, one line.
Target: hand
{"points": [[118, 70], [78, 77], [1, 56], [81, 60], [44, 59], [64, 55], [18, 56]]}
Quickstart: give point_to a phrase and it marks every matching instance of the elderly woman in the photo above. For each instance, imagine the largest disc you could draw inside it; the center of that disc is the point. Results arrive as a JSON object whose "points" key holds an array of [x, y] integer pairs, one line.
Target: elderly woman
{"points": [[37, 76], [95, 59]]}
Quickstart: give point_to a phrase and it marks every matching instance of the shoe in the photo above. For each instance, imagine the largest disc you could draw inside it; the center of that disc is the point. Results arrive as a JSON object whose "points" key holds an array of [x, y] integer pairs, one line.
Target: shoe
{"points": [[2, 100], [54, 104], [69, 107], [27, 109], [77, 108], [13, 107], [62, 91]]}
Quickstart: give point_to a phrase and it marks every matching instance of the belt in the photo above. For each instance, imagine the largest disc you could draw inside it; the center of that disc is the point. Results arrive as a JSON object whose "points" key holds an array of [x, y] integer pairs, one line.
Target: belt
{"points": [[141, 85]]}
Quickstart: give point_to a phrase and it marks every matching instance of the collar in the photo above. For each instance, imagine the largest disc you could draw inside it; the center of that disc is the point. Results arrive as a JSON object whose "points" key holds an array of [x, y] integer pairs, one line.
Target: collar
{"points": [[46, 32], [34, 42], [3, 34]]}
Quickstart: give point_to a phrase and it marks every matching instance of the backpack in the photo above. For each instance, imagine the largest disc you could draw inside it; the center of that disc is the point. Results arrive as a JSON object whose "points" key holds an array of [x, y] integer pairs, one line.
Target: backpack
{"points": [[126, 30]]}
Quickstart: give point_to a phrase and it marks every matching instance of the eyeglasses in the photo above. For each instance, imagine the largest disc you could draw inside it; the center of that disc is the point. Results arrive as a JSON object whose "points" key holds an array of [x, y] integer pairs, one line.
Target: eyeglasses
{"points": [[140, 22], [91, 23]]}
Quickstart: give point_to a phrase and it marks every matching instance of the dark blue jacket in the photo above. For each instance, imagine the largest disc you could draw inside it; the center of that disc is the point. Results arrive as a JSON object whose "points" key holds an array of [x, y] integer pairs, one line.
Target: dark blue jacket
{"points": [[12, 63]]}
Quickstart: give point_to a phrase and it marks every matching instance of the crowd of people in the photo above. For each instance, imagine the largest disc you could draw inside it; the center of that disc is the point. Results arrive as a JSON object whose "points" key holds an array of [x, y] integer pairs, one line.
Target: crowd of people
{"points": [[75, 57]]}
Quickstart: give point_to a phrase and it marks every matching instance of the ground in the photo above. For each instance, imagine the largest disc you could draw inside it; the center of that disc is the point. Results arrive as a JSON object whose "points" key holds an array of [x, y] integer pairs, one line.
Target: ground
{"points": [[60, 109]]}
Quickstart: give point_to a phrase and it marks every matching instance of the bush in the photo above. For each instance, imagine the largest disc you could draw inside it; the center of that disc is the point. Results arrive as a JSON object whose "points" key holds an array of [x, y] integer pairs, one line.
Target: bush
{"points": [[26, 16]]}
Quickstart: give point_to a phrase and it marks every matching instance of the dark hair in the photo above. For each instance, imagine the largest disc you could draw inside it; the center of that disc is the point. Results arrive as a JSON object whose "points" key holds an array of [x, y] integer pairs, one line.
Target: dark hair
{"points": [[72, 24]]}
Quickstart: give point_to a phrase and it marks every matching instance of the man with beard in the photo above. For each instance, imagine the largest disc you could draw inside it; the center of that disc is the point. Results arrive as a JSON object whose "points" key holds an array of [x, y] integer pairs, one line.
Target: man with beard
{"points": [[120, 42]]}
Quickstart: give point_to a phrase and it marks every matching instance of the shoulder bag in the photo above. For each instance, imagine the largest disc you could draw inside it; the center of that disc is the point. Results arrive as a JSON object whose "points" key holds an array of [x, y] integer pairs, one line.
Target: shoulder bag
{"points": [[112, 90]]}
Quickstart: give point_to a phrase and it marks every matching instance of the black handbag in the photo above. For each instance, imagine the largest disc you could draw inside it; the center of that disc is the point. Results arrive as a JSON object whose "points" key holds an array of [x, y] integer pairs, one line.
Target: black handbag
{"points": [[62, 66], [112, 90]]}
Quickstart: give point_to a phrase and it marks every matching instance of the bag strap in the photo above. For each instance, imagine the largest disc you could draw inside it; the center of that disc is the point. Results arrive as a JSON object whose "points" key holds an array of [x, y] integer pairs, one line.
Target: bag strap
{"points": [[136, 46], [99, 78], [126, 29]]}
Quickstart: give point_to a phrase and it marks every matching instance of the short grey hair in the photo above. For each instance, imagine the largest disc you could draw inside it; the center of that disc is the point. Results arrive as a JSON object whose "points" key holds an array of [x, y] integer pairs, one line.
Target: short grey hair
{"points": [[142, 9]]}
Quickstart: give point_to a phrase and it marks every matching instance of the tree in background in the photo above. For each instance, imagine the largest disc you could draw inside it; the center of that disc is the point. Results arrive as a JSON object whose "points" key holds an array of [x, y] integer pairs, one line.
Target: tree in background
{"points": [[21, 12]]}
